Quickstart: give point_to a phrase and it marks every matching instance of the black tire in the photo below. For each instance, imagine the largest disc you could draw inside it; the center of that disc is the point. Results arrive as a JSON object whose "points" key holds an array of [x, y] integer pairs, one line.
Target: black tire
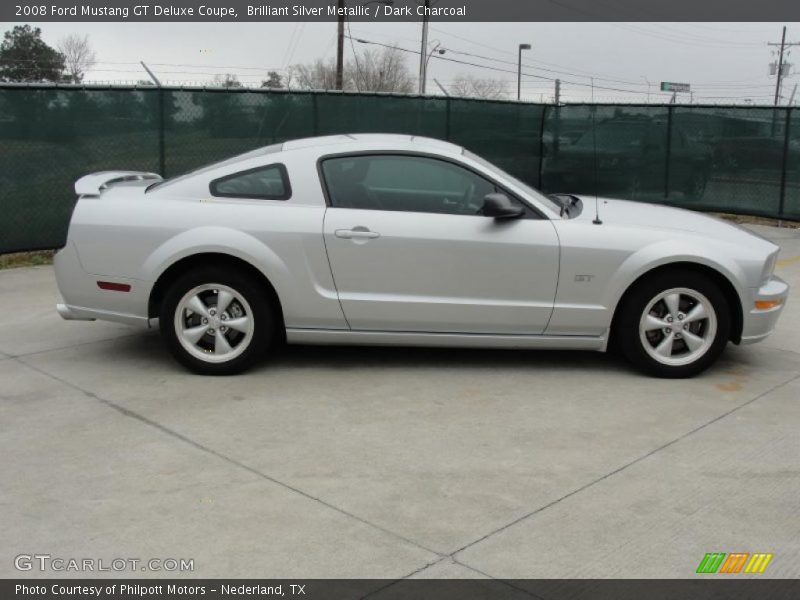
{"points": [[263, 324], [630, 313]]}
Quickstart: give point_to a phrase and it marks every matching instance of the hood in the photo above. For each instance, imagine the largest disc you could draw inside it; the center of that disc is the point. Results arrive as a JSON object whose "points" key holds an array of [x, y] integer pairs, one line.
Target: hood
{"points": [[656, 216]]}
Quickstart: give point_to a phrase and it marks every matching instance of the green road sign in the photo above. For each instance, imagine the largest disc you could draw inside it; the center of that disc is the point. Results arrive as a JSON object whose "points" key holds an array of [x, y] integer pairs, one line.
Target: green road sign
{"points": [[669, 86]]}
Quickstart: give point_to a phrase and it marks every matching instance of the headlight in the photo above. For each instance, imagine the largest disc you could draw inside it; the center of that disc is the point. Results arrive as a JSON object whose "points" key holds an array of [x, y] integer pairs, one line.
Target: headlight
{"points": [[769, 266]]}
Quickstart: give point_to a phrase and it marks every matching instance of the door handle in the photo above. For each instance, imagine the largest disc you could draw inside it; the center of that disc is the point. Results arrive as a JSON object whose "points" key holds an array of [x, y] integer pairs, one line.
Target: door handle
{"points": [[356, 233]]}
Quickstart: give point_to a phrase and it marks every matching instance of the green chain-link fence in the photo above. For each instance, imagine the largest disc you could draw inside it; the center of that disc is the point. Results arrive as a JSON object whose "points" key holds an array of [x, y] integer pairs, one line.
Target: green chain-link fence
{"points": [[731, 159]]}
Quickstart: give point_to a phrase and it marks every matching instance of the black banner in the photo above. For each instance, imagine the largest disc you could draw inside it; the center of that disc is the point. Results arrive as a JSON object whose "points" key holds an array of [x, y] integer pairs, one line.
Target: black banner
{"points": [[703, 588], [402, 10]]}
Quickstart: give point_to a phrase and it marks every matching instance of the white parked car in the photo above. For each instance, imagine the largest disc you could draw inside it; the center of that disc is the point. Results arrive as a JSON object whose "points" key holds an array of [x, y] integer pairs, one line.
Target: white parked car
{"points": [[392, 239]]}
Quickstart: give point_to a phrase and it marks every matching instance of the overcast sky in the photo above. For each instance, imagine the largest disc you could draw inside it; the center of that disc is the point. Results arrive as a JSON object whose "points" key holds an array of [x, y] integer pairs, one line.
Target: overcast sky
{"points": [[722, 61]]}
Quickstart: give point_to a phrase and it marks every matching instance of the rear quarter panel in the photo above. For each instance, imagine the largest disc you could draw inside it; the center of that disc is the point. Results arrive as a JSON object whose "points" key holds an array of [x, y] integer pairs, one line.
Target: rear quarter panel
{"points": [[137, 237]]}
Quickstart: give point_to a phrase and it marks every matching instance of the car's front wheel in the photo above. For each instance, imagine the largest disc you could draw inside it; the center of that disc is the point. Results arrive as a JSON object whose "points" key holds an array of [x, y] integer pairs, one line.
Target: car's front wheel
{"points": [[216, 321], [674, 325]]}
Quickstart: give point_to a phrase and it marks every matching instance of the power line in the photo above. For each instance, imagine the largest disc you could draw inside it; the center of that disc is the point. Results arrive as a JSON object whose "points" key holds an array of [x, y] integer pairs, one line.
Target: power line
{"points": [[497, 69], [566, 70]]}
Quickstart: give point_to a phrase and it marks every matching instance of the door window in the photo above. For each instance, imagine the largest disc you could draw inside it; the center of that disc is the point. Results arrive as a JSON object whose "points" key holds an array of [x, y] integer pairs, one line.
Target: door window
{"points": [[404, 183]]}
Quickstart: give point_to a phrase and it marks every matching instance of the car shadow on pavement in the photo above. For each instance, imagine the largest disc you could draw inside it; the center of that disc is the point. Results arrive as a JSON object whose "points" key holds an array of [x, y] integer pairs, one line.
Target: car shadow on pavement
{"points": [[148, 348], [401, 357]]}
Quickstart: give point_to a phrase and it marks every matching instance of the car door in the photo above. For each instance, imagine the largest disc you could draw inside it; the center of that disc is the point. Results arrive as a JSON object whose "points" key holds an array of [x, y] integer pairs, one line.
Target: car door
{"points": [[409, 250]]}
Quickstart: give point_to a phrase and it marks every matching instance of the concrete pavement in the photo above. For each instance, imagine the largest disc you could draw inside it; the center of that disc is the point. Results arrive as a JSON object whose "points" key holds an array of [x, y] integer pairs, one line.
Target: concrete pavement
{"points": [[387, 463]]}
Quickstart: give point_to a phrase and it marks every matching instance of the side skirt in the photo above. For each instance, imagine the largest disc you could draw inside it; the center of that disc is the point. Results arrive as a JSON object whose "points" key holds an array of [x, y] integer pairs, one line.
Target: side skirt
{"points": [[455, 340]]}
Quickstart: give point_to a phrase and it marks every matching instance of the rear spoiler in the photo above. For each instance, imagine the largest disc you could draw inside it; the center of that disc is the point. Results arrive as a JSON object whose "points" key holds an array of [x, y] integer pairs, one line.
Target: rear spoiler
{"points": [[95, 183]]}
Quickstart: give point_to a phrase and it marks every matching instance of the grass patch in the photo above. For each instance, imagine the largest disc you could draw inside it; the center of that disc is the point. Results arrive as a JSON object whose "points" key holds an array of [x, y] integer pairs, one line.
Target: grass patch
{"points": [[26, 259]]}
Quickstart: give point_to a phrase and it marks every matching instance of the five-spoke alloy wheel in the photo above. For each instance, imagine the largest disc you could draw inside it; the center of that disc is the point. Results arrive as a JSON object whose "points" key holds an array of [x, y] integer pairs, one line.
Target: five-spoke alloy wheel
{"points": [[674, 324], [216, 321]]}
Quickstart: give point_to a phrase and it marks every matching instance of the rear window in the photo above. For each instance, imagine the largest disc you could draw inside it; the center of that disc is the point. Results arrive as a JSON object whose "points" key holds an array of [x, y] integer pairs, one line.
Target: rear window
{"points": [[265, 183]]}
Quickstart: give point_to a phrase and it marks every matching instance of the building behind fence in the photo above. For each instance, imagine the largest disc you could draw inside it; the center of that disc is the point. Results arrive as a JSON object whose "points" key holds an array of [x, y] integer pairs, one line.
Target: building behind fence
{"points": [[729, 159]]}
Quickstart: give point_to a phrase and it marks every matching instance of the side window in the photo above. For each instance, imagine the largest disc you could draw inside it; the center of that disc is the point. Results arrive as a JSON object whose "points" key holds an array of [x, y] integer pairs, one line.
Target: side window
{"points": [[265, 183], [404, 183]]}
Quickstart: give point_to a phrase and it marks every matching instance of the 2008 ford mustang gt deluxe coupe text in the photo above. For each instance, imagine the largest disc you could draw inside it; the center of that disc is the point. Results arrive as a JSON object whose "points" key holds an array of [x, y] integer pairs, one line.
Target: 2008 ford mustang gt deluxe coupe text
{"points": [[392, 239]]}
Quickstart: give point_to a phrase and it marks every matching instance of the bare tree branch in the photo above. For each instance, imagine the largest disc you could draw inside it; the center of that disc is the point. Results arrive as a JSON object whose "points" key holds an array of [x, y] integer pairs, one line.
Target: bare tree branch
{"points": [[319, 75], [468, 86], [383, 70], [78, 56], [370, 71]]}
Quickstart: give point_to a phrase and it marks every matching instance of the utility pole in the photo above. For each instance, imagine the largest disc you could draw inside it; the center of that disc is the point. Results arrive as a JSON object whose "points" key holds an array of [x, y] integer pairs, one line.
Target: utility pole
{"points": [[423, 53], [791, 98], [519, 70], [340, 46], [783, 45], [780, 69], [558, 92]]}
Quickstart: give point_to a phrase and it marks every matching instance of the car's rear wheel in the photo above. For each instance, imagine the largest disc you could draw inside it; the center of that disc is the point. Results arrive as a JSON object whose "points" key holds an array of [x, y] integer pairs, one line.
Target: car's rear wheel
{"points": [[216, 321], [674, 325]]}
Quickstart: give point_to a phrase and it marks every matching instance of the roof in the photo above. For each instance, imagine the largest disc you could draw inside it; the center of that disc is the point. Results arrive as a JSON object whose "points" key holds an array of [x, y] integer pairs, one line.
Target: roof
{"points": [[375, 138]]}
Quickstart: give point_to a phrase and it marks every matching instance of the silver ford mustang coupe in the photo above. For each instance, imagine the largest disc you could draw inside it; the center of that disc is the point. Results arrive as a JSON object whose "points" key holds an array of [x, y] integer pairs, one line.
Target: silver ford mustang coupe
{"points": [[393, 239]]}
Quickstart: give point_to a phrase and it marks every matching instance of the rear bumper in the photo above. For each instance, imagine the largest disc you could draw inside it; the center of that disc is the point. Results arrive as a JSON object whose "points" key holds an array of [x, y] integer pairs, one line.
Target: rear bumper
{"points": [[68, 314], [82, 299], [759, 323]]}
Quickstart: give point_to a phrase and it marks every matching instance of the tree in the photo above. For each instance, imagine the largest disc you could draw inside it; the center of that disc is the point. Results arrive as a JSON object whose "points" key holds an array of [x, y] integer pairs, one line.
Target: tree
{"points": [[382, 70], [319, 75], [24, 56], [273, 81], [78, 56], [227, 81], [474, 87]]}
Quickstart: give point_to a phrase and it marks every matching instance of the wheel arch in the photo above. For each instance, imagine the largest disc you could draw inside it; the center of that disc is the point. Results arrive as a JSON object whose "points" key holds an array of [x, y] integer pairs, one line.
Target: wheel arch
{"points": [[204, 259], [724, 283]]}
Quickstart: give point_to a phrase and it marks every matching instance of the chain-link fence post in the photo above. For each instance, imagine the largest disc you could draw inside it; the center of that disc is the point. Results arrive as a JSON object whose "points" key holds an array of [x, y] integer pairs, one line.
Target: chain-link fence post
{"points": [[541, 145], [784, 164], [162, 157], [314, 114], [668, 153], [447, 119]]}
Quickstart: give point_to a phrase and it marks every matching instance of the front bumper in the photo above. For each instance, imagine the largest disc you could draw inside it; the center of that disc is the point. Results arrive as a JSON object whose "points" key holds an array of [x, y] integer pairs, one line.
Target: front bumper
{"points": [[759, 323]]}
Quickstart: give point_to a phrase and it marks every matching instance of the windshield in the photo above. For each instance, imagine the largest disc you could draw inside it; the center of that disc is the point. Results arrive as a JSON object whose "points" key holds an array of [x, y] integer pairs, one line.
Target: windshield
{"points": [[531, 191]]}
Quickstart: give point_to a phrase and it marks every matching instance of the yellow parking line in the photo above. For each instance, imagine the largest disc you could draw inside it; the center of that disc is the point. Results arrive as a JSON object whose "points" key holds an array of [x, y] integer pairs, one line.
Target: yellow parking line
{"points": [[787, 261]]}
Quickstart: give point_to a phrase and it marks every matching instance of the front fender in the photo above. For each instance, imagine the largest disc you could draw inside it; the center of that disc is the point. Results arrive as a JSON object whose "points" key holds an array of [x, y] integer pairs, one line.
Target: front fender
{"points": [[715, 255]]}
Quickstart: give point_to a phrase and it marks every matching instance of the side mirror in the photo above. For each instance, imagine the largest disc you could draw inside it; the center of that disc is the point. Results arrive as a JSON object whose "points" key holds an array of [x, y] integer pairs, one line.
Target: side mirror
{"points": [[500, 206]]}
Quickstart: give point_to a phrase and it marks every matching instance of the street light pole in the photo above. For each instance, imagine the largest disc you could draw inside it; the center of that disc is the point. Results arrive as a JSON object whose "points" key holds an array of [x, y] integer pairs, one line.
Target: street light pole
{"points": [[519, 70], [436, 48]]}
